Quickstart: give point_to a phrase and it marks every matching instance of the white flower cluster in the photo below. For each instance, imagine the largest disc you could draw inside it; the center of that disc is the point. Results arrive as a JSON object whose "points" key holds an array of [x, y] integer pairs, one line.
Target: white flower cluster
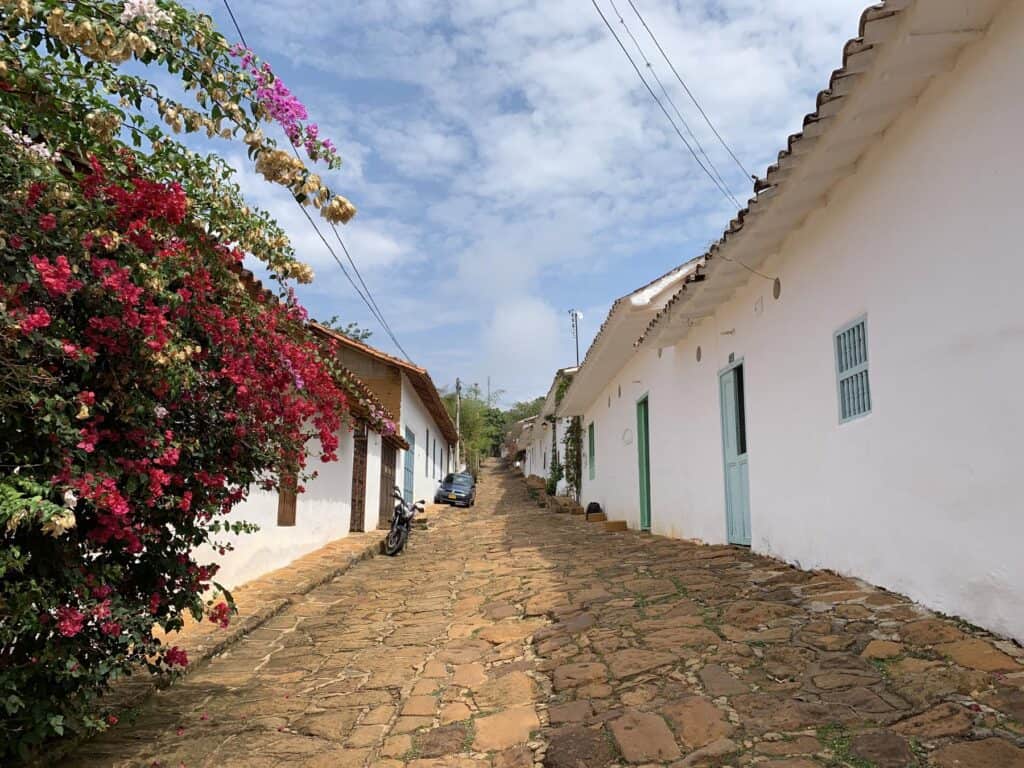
{"points": [[145, 10], [38, 149]]}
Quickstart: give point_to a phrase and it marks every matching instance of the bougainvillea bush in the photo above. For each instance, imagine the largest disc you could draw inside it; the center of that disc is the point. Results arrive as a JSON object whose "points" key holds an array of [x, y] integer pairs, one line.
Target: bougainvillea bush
{"points": [[144, 385]]}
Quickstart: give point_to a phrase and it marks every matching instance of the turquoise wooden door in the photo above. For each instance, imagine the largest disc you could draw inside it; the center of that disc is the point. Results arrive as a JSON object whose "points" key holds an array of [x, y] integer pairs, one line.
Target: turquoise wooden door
{"points": [[643, 448], [410, 465], [734, 441]]}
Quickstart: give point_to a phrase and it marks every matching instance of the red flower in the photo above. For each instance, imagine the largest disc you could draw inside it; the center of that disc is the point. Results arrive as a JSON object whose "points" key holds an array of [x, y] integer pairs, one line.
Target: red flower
{"points": [[69, 621], [112, 719], [35, 191], [16, 241], [176, 657], [48, 222], [102, 592], [110, 628], [220, 614], [36, 319], [56, 277], [102, 610]]}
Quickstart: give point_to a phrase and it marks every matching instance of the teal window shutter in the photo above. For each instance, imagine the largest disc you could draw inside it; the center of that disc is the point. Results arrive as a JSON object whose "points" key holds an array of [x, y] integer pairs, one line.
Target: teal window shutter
{"points": [[590, 452], [851, 344]]}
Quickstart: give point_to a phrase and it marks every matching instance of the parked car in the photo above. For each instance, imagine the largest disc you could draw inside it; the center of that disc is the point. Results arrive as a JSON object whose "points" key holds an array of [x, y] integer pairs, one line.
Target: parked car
{"points": [[457, 489]]}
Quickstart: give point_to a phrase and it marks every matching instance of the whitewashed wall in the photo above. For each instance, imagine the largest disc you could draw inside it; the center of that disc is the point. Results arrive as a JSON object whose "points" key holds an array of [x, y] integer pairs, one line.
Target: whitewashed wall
{"points": [[919, 496], [416, 417], [562, 425], [321, 516], [374, 445]]}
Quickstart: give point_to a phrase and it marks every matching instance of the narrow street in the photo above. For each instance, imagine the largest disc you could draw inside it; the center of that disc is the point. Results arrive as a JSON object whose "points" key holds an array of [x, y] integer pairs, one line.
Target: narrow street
{"points": [[509, 635]]}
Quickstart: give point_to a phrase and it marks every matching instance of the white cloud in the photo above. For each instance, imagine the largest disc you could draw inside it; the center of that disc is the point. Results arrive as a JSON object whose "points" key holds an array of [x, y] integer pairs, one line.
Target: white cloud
{"points": [[503, 153]]}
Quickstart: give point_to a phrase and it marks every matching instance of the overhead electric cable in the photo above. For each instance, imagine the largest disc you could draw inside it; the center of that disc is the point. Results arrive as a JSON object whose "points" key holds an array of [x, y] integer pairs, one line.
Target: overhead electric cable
{"points": [[672, 103], [725, 192], [689, 93], [368, 298]]}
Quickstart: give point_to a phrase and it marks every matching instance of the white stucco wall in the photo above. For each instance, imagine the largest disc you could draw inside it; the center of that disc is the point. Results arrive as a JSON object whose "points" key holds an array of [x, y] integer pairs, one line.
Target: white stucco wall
{"points": [[321, 515], [374, 444], [416, 417], [919, 496]]}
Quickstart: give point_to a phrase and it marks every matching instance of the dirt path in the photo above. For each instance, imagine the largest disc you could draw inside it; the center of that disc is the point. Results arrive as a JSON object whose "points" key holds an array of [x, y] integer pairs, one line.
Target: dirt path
{"points": [[509, 635]]}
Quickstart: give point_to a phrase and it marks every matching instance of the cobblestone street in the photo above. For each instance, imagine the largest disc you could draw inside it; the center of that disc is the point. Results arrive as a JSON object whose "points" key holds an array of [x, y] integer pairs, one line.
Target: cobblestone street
{"points": [[510, 635]]}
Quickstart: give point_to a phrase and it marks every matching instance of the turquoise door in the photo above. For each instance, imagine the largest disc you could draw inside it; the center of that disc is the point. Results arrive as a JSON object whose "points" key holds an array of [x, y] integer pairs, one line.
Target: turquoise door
{"points": [[643, 447], [410, 465], [734, 441]]}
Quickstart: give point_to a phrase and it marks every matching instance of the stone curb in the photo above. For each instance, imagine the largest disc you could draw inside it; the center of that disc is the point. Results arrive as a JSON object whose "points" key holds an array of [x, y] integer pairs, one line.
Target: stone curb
{"points": [[132, 692]]}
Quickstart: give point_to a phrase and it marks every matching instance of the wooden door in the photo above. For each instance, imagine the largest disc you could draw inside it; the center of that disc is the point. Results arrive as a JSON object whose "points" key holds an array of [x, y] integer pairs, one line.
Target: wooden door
{"points": [[734, 442], [388, 454], [358, 517], [643, 447]]}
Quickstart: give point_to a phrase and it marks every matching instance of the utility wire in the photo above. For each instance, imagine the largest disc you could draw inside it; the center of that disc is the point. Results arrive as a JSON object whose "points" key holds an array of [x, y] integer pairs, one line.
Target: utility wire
{"points": [[669, 99], [368, 299], [725, 192], [689, 93]]}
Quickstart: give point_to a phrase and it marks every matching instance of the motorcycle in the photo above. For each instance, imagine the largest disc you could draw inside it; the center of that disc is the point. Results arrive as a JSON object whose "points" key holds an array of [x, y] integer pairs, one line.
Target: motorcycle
{"points": [[401, 523]]}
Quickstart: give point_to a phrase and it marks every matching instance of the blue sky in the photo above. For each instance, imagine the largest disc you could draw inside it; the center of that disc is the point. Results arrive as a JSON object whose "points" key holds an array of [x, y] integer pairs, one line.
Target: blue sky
{"points": [[508, 165]]}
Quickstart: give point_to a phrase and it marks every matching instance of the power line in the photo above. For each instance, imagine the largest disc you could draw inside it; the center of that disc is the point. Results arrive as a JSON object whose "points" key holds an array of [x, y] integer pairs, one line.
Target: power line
{"points": [[725, 192], [689, 93], [672, 103], [367, 298]]}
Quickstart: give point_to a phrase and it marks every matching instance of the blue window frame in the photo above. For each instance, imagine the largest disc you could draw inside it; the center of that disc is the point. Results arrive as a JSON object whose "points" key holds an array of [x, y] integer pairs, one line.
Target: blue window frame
{"points": [[852, 381]]}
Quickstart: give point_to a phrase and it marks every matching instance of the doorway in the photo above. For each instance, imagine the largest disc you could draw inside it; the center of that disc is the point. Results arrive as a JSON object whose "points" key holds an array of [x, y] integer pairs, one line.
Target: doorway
{"points": [[386, 505], [734, 443], [643, 445], [357, 521]]}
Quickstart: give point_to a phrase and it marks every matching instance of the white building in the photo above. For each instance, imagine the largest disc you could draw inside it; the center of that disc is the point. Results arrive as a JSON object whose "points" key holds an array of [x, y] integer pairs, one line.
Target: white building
{"points": [[354, 493], [851, 404], [555, 426]]}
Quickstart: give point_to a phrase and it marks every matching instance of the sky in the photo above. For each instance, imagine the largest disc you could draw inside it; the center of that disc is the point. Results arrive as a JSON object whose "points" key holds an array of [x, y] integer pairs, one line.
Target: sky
{"points": [[508, 164]]}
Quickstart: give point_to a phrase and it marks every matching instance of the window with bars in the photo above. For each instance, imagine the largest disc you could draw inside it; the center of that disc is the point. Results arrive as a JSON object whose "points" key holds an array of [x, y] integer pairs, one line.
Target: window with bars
{"points": [[851, 343]]}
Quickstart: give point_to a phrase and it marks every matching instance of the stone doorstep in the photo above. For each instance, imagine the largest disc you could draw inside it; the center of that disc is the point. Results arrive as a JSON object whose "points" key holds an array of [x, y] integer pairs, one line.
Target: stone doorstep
{"points": [[269, 595], [597, 517], [616, 525]]}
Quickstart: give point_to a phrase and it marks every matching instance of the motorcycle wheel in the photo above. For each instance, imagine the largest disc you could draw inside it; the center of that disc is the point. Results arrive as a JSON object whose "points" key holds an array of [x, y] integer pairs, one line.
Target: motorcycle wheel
{"points": [[394, 542]]}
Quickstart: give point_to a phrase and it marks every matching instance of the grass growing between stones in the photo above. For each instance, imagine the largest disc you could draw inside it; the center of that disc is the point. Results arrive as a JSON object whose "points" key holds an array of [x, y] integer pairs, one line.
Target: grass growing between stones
{"points": [[470, 737], [837, 739]]}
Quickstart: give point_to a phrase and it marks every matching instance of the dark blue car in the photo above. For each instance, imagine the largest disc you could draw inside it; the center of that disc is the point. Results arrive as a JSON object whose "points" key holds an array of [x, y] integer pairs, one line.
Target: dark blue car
{"points": [[458, 489]]}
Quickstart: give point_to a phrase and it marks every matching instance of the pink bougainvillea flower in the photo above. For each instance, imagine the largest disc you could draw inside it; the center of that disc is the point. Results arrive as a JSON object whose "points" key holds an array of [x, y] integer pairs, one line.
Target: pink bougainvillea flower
{"points": [[35, 320], [69, 621]]}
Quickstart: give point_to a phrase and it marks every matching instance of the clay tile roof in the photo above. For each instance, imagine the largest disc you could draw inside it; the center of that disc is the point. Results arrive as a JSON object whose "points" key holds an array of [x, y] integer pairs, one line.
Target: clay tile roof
{"points": [[419, 377], [887, 39]]}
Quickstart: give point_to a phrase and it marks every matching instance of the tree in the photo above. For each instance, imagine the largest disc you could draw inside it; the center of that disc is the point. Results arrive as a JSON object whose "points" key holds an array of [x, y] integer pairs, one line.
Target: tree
{"points": [[481, 426], [146, 383], [352, 330]]}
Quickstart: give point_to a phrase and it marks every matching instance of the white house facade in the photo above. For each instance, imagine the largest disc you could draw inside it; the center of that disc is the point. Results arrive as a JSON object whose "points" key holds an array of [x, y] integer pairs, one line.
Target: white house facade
{"points": [[354, 493], [833, 383], [431, 452]]}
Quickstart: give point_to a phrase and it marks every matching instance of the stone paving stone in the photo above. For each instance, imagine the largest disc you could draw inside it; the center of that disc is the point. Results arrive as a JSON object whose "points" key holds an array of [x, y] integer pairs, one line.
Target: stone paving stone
{"points": [[505, 729], [643, 736], [509, 627]]}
